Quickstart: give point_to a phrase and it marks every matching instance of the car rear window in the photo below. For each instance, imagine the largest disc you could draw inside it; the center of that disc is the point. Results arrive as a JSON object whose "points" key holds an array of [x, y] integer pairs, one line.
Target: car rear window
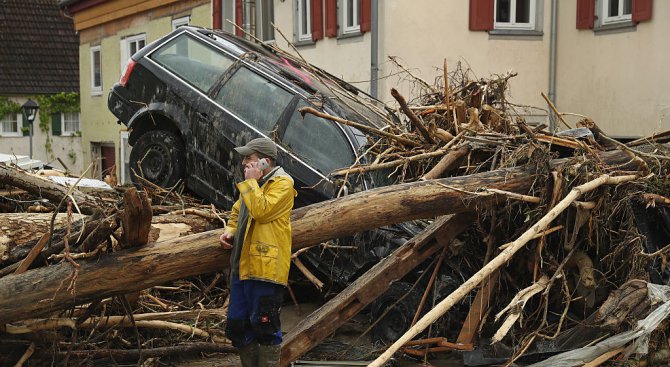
{"points": [[195, 62], [255, 99], [318, 142]]}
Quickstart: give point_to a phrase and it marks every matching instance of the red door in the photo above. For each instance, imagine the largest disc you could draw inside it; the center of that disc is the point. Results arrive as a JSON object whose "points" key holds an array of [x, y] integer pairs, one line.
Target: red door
{"points": [[107, 153]]}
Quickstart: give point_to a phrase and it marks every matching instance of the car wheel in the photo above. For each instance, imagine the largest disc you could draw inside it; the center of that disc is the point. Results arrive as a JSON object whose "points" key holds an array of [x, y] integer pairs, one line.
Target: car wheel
{"points": [[158, 157], [399, 317]]}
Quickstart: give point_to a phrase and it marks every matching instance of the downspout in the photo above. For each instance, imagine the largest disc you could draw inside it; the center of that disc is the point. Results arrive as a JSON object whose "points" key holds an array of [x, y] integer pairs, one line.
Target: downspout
{"points": [[374, 47], [552, 60]]}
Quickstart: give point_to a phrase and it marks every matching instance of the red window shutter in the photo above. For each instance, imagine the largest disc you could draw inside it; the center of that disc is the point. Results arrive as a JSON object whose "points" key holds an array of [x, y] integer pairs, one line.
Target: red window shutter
{"points": [[366, 15], [216, 14], [481, 15], [641, 10], [331, 18], [239, 17], [586, 14], [317, 19]]}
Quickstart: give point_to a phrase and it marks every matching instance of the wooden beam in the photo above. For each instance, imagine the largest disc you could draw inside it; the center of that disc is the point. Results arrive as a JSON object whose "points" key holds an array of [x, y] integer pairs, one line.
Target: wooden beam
{"points": [[324, 321]]}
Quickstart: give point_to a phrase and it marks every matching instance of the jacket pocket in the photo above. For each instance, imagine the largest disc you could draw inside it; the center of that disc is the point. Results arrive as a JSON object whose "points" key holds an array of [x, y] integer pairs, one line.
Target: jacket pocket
{"points": [[263, 260]]}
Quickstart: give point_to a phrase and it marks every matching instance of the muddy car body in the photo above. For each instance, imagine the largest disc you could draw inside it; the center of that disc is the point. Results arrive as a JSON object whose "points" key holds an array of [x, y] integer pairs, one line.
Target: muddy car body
{"points": [[193, 95]]}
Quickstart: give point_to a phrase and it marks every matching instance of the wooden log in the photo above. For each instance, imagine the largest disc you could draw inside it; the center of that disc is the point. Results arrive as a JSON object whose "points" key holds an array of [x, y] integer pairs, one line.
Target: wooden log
{"points": [[324, 321], [446, 162], [126, 355], [23, 230], [40, 291], [42, 187], [136, 219]]}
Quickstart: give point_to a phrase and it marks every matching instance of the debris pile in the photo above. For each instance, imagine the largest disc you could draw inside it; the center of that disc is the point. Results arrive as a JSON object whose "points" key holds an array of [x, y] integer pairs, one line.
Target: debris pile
{"points": [[532, 244]]}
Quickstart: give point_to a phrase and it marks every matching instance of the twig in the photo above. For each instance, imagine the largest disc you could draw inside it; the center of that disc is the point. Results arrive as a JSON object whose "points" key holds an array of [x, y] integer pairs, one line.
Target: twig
{"points": [[553, 108], [412, 117], [361, 127], [26, 355]]}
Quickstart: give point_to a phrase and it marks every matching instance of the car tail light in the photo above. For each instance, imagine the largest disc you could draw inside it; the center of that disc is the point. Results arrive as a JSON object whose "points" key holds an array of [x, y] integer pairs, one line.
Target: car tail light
{"points": [[126, 72]]}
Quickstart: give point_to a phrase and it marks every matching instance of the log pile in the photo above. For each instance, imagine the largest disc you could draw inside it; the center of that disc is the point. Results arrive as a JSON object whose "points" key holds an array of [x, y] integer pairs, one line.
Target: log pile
{"points": [[534, 237]]}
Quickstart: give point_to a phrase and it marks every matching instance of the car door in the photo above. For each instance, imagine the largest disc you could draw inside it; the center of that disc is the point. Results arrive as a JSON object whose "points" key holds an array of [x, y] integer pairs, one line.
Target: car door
{"points": [[315, 147], [251, 104]]}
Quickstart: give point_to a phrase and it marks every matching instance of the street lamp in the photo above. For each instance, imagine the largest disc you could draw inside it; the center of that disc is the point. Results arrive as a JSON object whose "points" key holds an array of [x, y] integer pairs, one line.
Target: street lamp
{"points": [[29, 110]]}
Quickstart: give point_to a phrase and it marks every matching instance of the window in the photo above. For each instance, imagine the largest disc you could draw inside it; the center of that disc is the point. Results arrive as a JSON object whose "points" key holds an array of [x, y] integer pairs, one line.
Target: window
{"points": [[351, 21], [318, 142], [617, 11], [70, 123], [254, 99], [9, 125], [266, 13], [515, 14], [129, 46], [96, 71], [198, 64], [180, 22], [304, 17]]}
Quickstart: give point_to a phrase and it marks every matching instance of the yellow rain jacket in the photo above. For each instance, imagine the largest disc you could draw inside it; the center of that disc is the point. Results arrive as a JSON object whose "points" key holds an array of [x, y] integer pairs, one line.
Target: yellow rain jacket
{"points": [[266, 251]]}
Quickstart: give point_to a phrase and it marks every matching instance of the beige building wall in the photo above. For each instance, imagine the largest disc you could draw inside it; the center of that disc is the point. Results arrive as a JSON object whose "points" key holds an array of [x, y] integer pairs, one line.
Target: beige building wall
{"points": [[618, 78], [67, 148], [421, 35], [615, 77], [99, 126]]}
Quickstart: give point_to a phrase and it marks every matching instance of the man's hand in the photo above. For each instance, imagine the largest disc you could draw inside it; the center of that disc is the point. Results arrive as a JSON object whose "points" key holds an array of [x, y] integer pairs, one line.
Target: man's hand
{"points": [[226, 241], [252, 170]]}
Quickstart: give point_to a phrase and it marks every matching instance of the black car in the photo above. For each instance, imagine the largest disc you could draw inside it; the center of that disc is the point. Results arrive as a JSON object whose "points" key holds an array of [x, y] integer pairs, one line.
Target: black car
{"points": [[191, 96]]}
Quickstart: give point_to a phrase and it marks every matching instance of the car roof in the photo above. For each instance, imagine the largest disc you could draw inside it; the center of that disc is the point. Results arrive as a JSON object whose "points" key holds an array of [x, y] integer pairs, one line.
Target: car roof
{"points": [[311, 80]]}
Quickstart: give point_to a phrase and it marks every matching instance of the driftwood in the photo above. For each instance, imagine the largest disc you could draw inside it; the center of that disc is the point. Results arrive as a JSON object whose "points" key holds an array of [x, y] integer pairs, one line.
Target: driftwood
{"points": [[22, 296], [497, 262], [42, 187]]}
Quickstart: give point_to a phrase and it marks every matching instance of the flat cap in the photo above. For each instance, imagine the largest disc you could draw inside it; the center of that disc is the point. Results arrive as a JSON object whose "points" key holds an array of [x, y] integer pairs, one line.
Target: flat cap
{"points": [[262, 146]]}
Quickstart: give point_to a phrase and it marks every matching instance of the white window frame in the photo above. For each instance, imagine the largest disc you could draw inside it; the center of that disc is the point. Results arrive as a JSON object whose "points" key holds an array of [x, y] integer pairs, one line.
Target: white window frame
{"points": [[304, 35], [512, 24], [228, 13], [123, 152], [65, 132], [179, 22], [19, 126], [125, 48], [620, 17], [262, 22], [96, 90], [356, 28]]}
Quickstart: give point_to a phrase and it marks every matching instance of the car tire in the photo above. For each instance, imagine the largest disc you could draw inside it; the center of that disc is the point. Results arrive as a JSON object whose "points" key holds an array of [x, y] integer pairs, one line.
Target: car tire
{"points": [[399, 318], [158, 156]]}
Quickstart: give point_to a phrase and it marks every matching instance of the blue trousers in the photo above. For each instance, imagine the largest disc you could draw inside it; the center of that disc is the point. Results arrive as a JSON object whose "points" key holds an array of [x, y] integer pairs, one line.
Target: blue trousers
{"points": [[253, 312]]}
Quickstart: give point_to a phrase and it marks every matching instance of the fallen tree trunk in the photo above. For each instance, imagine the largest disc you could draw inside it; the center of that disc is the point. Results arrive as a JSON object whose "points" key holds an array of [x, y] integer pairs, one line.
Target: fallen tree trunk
{"points": [[22, 230], [42, 187], [41, 291]]}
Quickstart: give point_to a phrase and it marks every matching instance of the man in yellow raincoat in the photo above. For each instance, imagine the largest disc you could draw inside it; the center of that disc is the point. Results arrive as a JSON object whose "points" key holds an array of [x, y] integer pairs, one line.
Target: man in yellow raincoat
{"points": [[259, 235]]}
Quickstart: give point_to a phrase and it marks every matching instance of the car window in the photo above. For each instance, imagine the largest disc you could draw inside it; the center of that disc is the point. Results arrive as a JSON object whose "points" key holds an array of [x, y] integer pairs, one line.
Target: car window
{"points": [[318, 142], [195, 62], [254, 99]]}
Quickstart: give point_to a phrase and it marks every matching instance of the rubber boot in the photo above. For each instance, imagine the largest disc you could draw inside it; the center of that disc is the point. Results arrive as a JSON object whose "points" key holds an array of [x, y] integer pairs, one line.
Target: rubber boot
{"points": [[249, 355], [268, 355]]}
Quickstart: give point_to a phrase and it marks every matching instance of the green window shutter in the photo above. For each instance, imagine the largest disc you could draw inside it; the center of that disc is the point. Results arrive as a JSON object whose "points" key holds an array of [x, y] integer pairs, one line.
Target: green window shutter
{"points": [[25, 125], [55, 124]]}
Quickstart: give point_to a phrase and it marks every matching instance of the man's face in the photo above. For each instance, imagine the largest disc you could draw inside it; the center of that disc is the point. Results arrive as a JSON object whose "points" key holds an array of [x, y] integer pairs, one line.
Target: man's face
{"points": [[249, 158]]}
